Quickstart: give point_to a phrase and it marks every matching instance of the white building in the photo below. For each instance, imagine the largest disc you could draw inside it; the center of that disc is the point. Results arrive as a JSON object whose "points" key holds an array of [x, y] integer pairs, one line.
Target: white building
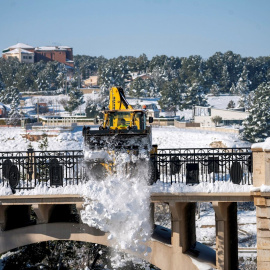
{"points": [[203, 115], [23, 52]]}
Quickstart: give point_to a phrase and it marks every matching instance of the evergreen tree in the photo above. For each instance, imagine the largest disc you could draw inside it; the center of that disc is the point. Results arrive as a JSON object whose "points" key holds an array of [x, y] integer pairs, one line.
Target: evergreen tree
{"points": [[194, 96], [158, 78], [10, 95], [231, 105], [243, 83], [142, 63], [75, 100], [113, 74], [2, 85], [14, 115], [225, 82], [137, 88], [44, 143], [214, 90], [233, 90], [171, 96], [257, 125]]}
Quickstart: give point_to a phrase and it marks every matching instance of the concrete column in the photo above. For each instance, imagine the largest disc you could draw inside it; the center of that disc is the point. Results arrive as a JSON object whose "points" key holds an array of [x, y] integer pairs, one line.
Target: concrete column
{"points": [[261, 176], [152, 215], [226, 235], [263, 232], [3, 216], [43, 212], [183, 225], [79, 207]]}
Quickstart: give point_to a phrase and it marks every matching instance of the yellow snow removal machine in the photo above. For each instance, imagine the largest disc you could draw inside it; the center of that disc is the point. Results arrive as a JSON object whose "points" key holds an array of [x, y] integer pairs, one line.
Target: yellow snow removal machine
{"points": [[124, 130]]}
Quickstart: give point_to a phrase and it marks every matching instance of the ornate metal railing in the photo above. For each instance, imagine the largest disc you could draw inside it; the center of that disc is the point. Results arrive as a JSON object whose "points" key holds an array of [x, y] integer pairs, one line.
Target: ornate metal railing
{"points": [[27, 169], [195, 165]]}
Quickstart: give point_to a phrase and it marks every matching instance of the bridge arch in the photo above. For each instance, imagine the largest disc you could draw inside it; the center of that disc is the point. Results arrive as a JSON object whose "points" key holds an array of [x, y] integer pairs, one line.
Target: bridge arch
{"points": [[51, 231], [161, 255]]}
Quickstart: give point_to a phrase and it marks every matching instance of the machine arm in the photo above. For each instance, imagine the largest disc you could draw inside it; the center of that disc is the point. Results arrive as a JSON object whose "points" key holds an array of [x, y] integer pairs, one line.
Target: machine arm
{"points": [[118, 100]]}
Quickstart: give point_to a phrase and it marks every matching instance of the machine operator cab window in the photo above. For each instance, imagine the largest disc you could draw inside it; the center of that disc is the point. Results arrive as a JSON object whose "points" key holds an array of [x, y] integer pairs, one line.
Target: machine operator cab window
{"points": [[122, 123], [121, 120]]}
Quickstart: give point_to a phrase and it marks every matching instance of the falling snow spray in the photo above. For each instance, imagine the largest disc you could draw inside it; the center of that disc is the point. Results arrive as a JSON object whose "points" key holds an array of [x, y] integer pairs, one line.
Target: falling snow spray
{"points": [[119, 202]]}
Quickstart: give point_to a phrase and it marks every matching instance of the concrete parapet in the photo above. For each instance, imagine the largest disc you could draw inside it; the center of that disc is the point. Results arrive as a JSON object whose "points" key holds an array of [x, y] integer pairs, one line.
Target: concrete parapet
{"points": [[261, 165]]}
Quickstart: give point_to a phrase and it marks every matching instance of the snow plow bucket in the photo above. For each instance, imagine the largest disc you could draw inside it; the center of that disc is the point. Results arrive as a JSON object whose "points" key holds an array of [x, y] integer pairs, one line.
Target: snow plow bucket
{"points": [[108, 139]]}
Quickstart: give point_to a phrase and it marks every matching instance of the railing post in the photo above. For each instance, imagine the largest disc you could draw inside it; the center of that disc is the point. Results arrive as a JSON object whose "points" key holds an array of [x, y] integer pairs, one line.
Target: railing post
{"points": [[31, 165]]}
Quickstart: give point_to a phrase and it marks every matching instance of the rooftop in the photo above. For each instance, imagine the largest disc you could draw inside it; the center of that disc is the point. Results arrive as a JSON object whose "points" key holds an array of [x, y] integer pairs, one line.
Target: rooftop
{"points": [[52, 48], [21, 45], [18, 51]]}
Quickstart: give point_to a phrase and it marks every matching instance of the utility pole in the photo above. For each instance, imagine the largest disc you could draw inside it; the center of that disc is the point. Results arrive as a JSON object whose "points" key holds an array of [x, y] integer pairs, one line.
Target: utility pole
{"points": [[66, 84], [38, 110]]}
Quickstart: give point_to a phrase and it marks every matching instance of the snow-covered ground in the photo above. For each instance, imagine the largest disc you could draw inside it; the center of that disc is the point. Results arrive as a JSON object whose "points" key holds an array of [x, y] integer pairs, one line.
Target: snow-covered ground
{"points": [[221, 102], [56, 107], [12, 139]]}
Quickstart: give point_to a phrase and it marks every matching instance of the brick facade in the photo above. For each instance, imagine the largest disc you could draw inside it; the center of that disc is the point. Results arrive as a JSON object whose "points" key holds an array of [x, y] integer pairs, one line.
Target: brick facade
{"points": [[61, 54]]}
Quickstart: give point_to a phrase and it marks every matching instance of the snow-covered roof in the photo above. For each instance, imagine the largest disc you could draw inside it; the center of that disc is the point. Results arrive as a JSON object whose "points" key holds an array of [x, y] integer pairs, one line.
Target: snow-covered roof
{"points": [[20, 45], [69, 61], [52, 48], [64, 47], [18, 51], [221, 101]]}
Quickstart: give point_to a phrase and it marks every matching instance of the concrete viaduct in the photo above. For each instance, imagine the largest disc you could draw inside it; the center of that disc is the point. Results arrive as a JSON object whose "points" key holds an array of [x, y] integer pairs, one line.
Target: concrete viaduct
{"points": [[56, 218]]}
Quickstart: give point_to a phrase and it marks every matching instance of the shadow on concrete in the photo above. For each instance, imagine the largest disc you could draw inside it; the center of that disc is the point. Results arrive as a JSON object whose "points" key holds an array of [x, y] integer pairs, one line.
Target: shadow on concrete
{"points": [[162, 234]]}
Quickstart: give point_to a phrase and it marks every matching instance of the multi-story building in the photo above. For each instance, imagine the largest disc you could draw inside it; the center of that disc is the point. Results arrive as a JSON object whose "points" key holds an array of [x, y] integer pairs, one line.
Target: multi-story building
{"points": [[23, 52], [62, 54], [29, 54]]}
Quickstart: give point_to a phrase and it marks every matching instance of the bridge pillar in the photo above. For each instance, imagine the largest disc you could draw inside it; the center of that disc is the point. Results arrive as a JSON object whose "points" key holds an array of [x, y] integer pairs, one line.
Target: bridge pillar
{"points": [[183, 225], [226, 235], [261, 176], [43, 212], [3, 216], [263, 231]]}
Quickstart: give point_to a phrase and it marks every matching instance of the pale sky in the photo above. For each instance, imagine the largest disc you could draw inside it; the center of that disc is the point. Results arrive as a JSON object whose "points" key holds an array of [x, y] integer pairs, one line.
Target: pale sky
{"points": [[122, 27]]}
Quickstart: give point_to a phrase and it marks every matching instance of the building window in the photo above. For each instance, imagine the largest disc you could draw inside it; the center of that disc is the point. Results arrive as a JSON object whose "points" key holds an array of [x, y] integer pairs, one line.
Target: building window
{"points": [[30, 57], [24, 57]]}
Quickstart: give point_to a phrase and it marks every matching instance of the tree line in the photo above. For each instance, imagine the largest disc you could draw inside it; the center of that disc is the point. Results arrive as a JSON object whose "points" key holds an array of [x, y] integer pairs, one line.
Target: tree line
{"points": [[178, 82]]}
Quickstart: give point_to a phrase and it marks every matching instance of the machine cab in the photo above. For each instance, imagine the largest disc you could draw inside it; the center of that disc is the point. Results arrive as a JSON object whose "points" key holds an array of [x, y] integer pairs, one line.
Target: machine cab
{"points": [[127, 120]]}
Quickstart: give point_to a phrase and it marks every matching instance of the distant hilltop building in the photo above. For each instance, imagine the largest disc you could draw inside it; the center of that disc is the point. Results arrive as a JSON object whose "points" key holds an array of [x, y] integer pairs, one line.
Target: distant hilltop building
{"points": [[29, 54], [92, 81]]}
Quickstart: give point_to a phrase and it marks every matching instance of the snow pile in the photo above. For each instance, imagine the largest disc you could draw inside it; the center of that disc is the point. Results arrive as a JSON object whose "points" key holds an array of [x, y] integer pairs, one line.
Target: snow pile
{"points": [[205, 187], [12, 140], [119, 204], [265, 146], [262, 188], [5, 190]]}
